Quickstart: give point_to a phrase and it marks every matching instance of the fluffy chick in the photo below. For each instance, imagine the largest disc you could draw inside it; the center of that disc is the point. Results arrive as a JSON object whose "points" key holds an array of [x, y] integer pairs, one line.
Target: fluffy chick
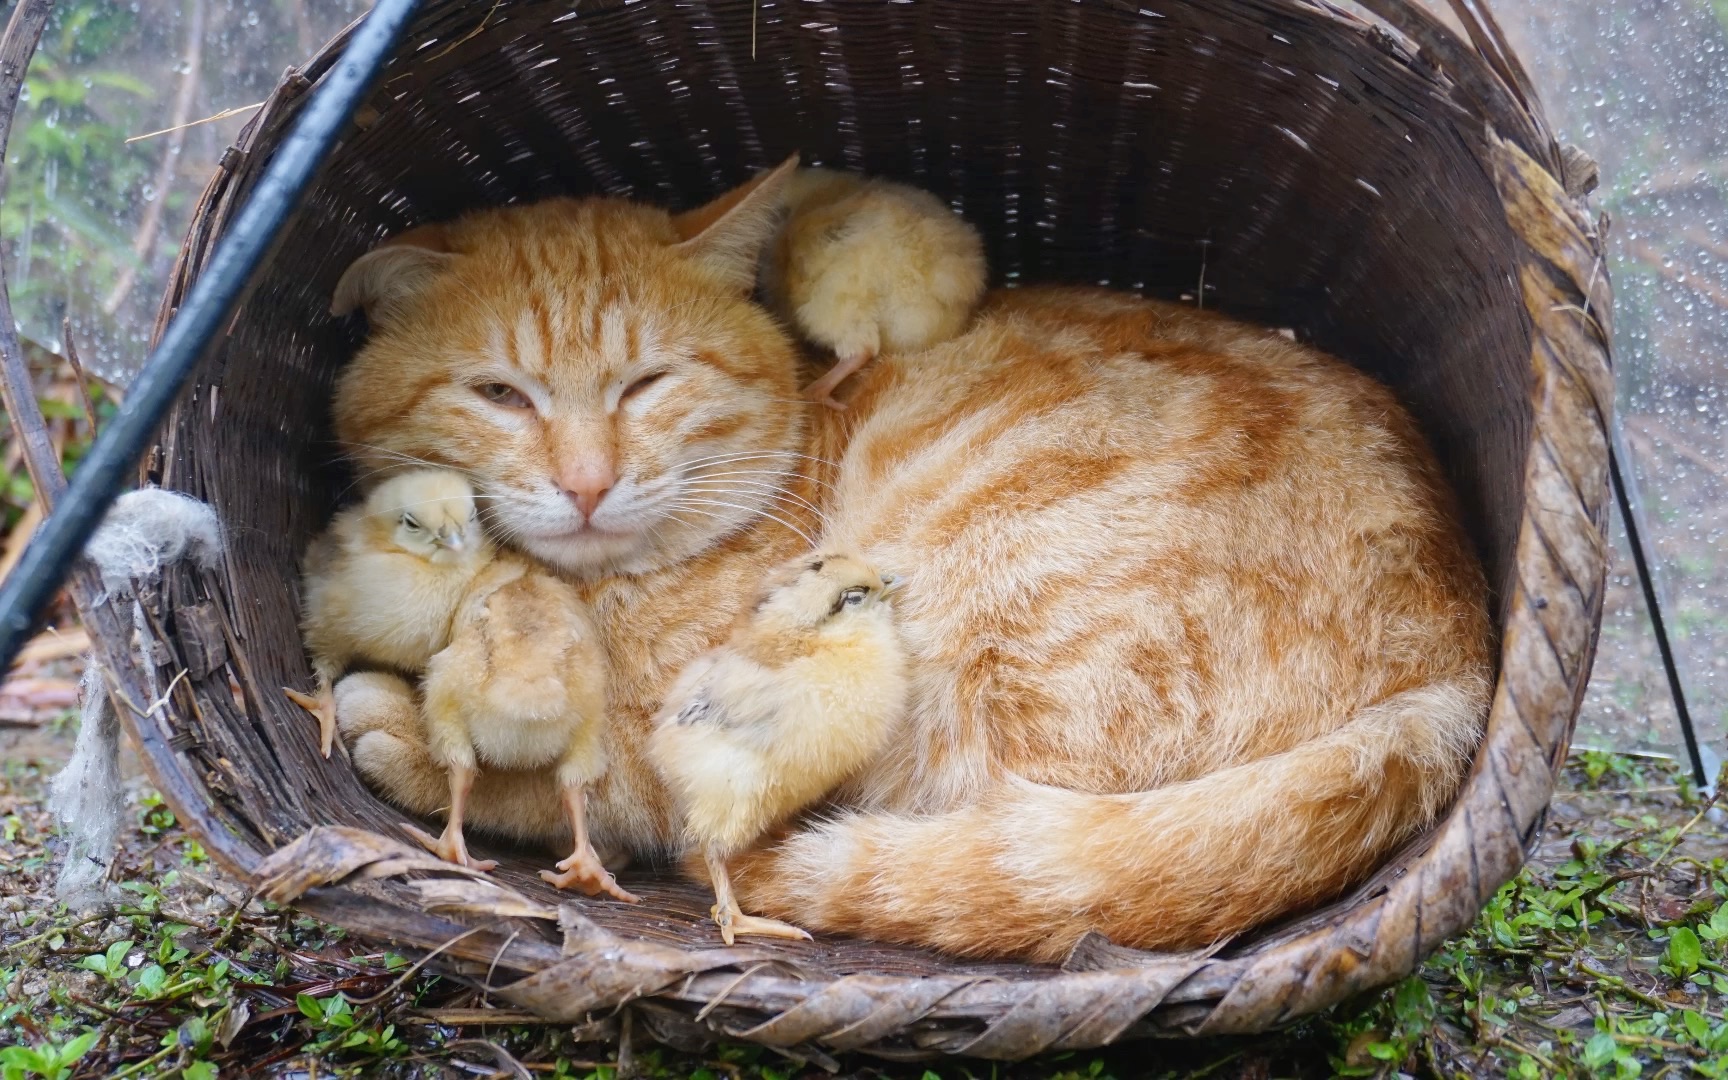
{"points": [[521, 686], [382, 583], [865, 265], [804, 693]]}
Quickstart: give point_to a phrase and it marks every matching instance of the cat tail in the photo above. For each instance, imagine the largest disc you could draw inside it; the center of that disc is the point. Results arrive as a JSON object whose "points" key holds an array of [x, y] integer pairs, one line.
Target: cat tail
{"points": [[1027, 870]]}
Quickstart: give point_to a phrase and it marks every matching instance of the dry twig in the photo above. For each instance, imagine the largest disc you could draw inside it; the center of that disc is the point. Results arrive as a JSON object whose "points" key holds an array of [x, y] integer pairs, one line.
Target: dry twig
{"points": [[23, 32]]}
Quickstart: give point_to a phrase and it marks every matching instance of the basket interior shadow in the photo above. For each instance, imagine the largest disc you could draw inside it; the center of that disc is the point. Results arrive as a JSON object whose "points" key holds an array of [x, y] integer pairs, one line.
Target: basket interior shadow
{"points": [[1380, 185]]}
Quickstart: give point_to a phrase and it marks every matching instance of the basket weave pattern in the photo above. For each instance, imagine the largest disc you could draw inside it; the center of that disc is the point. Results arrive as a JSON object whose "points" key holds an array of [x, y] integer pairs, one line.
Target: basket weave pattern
{"points": [[1384, 187]]}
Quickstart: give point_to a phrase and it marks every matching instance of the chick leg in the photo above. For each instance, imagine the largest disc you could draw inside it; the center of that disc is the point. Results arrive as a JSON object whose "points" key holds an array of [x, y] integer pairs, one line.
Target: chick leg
{"points": [[452, 846], [582, 870], [321, 705], [731, 919], [822, 389]]}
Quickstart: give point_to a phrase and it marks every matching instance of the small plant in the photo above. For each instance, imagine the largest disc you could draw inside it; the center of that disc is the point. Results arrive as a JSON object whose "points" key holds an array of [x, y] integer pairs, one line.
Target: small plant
{"points": [[49, 1061], [343, 1029], [156, 817], [111, 965]]}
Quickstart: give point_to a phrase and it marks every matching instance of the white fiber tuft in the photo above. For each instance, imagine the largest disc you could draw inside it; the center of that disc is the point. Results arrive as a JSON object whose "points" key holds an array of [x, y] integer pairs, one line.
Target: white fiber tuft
{"points": [[148, 529], [144, 532], [87, 799]]}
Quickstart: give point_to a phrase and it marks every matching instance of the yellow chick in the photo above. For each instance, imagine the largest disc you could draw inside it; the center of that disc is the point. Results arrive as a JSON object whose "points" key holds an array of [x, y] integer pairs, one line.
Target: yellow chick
{"points": [[803, 694], [522, 686], [864, 266], [382, 583]]}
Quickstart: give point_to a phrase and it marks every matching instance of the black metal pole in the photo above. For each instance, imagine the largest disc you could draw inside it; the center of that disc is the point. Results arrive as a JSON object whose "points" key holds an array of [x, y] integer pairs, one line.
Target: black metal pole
{"points": [[1632, 514], [219, 289]]}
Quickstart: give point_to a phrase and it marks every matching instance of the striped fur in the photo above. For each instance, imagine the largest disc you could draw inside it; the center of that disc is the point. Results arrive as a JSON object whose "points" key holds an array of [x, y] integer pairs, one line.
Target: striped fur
{"points": [[1193, 634]]}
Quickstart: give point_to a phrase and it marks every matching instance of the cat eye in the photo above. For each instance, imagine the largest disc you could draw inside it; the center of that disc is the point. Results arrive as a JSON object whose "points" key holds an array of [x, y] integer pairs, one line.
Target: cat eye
{"points": [[641, 384], [504, 394]]}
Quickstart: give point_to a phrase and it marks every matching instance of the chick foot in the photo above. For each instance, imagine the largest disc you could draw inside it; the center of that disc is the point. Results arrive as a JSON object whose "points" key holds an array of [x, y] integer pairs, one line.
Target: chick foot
{"points": [[731, 918], [450, 848], [583, 872], [822, 390], [734, 923], [323, 707], [583, 869]]}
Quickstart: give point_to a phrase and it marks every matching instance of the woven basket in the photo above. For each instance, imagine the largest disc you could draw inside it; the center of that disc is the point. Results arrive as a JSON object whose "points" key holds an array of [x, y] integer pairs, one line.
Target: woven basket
{"points": [[1379, 185]]}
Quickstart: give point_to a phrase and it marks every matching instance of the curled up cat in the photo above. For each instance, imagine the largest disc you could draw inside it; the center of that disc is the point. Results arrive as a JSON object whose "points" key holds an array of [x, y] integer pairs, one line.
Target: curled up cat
{"points": [[1193, 636]]}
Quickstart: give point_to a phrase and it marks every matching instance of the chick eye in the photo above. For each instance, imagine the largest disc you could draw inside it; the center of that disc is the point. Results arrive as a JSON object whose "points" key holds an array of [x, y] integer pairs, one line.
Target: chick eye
{"points": [[504, 394], [409, 522], [855, 595], [641, 384]]}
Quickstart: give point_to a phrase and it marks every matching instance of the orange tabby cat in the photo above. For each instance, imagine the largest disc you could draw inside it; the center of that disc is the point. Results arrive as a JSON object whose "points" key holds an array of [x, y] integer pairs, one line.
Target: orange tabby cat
{"points": [[1194, 638]]}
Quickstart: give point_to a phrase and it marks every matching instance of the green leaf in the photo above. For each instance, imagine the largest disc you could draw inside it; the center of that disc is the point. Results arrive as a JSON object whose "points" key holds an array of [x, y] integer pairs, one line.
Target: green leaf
{"points": [[1412, 1004], [1696, 1025], [117, 956], [310, 1007], [1384, 1051], [152, 979], [1599, 1051], [199, 1070], [195, 1034], [76, 1049], [1684, 951]]}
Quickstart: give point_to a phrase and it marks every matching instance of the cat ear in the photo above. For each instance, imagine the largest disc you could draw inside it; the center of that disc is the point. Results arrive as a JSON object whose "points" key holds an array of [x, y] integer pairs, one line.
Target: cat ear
{"points": [[726, 236], [392, 271]]}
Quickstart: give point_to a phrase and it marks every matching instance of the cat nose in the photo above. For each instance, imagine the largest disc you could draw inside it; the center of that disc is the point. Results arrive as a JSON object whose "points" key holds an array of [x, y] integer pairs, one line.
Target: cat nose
{"points": [[587, 484]]}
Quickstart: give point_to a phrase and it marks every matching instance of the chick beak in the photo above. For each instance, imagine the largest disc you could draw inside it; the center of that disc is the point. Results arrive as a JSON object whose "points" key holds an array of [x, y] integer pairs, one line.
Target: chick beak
{"points": [[453, 541], [891, 585]]}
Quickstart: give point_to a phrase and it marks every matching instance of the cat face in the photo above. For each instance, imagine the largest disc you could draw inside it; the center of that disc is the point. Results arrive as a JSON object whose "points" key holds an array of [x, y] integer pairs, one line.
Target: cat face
{"points": [[595, 367]]}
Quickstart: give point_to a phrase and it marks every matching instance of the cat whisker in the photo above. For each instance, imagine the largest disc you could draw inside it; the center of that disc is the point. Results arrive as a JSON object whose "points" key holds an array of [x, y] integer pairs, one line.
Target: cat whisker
{"points": [[443, 499], [763, 472], [721, 517], [748, 488], [685, 504], [788, 508], [752, 486], [746, 455], [397, 454], [756, 453]]}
